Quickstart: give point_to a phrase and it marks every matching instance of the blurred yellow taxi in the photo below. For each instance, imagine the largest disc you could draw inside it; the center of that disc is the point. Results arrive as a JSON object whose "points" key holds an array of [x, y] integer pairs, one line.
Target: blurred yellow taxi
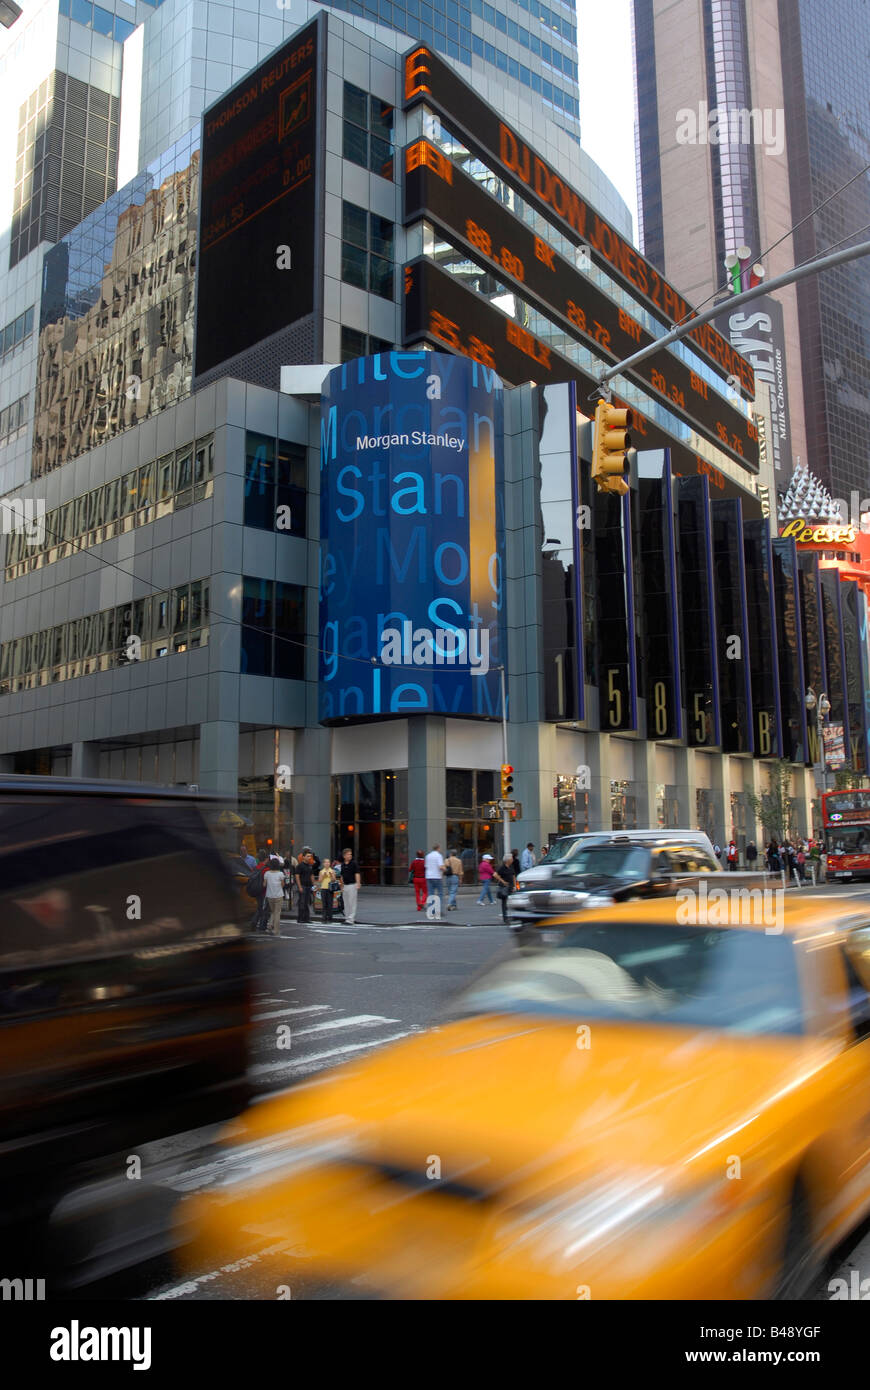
{"points": [[653, 1109]]}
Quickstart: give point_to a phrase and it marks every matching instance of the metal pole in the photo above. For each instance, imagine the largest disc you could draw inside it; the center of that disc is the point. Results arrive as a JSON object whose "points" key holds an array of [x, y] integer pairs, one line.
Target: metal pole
{"points": [[505, 814], [799, 272]]}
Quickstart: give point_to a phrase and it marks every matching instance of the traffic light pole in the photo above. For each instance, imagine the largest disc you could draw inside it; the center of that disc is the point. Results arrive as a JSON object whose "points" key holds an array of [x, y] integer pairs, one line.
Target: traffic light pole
{"points": [[504, 756], [800, 272]]}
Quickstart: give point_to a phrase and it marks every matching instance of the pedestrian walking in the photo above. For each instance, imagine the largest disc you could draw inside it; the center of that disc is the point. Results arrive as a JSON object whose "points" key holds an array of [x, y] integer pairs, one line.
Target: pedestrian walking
{"points": [[248, 858], [773, 862], [515, 859], [305, 885], [527, 858], [505, 876], [273, 880], [350, 885], [452, 875], [751, 854], [733, 855], [435, 876], [261, 916], [801, 863], [326, 881], [484, 873], [418, 877], [717, 850]]}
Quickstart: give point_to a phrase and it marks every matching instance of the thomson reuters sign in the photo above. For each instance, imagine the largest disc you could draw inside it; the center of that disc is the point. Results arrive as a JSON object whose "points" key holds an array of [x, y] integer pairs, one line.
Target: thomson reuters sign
{"points": [[806, 534]]}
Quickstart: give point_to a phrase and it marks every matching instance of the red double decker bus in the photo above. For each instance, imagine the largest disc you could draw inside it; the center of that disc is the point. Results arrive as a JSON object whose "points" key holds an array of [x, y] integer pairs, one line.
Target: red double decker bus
{"points": [[846, 819]]}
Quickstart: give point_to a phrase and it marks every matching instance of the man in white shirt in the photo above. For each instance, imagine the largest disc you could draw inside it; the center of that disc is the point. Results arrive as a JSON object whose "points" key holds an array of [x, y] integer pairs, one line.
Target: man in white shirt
{"points": [[434, 874], [527, 858]]}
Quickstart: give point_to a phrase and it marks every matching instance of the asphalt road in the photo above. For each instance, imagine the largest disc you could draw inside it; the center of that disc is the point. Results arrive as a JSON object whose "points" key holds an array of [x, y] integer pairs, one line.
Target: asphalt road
{"points": [[343, 991]]}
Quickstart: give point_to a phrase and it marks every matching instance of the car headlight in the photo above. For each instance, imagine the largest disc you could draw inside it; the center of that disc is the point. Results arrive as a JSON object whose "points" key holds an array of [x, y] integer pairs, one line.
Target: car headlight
{"points": [[600, 900], [519, 900], [260, 1161], [565, 898]]}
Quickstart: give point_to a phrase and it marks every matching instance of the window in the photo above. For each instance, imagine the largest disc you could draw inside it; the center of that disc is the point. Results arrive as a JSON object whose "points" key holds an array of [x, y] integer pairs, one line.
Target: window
{"points": [[367, 137], [182, 477], [356, 344], [13, 419], [367, 251], [273, 629], [275, 485], [15, 332], [257, 627]]}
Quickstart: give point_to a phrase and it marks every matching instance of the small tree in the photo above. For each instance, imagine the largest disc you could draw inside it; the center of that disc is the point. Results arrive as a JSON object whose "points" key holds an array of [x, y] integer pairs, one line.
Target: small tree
{"points": [[775, 809], [846, 779]]}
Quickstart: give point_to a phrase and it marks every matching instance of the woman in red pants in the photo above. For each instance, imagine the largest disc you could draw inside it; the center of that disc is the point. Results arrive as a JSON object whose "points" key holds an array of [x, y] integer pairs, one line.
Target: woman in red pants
{"points": [[418, 873]]}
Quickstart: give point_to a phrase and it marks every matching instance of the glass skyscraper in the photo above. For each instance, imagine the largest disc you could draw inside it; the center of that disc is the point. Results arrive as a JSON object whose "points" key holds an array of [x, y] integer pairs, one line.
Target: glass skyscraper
{"points": [[532, 42], [796, 68]]}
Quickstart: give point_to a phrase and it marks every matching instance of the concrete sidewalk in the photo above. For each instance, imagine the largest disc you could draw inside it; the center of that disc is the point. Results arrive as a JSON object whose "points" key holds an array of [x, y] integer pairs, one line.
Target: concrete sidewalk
{"points": [[396, 907], [378, 906]]}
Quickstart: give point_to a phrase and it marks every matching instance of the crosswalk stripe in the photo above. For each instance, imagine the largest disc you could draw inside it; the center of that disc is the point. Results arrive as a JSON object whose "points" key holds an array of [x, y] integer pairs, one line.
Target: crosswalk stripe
{"points": [[298, 1065], [291, 1009], [330, 1026]]}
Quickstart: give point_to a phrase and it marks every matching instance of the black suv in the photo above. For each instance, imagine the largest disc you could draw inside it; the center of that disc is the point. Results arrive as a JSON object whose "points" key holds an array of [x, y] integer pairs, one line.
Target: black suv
{"points": [[124, 990], [600, 873]]}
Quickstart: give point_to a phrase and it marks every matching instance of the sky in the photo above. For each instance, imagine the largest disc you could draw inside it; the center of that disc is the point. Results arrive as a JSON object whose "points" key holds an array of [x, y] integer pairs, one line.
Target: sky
{"points": [[606, 79]]}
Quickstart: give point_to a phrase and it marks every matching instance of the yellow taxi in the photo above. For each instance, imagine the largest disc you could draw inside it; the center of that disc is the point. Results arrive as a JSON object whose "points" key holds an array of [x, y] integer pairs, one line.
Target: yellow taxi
{"points": [[666, 1105]]}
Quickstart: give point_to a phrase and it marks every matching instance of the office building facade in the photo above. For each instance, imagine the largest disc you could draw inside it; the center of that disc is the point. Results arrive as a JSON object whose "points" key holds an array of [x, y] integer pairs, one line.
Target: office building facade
{"points": [[749, 118], [164, 612]]}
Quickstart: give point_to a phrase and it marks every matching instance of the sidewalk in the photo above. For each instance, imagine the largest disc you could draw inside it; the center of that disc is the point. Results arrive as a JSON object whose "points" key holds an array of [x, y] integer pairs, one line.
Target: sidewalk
{"points": [[379, 906], [395, 907]]}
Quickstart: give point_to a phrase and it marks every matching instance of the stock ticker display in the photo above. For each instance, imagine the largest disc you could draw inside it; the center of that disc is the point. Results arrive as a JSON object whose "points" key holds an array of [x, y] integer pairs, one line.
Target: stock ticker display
{"points": [[256, 269], [472, 219], [431, 81]]}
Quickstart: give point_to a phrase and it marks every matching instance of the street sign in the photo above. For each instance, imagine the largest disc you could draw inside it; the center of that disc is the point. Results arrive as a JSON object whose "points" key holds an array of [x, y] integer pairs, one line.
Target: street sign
{"points": [[507, 805]]}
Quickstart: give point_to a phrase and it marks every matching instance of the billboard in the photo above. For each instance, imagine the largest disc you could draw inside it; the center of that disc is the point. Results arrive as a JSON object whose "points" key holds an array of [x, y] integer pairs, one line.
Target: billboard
{"points": [[562, 561], [412, 537], [698, 611], [437, 308], [430, 80], [659, 650], [256, 262], [493, 235], [757, 331]]}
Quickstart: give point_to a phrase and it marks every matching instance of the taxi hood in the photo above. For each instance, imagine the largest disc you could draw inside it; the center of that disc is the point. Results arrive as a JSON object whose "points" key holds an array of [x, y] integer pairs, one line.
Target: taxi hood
{"points": [[502, 1096]]}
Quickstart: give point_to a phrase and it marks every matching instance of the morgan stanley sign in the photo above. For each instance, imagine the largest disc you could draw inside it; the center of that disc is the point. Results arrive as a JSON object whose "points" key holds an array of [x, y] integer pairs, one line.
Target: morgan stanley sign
{"points": [[412, 573]]}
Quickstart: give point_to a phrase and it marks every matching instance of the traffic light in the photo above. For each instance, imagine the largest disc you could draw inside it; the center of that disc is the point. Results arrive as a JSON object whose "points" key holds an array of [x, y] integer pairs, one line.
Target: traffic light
{"points": [[612, 423], [507, 781]]}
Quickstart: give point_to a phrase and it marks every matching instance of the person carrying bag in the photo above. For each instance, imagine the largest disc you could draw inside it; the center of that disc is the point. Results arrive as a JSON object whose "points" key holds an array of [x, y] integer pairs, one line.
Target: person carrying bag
{"points": [[505, 876]]}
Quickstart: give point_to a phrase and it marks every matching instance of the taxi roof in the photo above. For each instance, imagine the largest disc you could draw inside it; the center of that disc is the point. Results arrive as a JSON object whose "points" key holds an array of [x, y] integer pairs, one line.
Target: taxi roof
{"points": [[796, 915]]}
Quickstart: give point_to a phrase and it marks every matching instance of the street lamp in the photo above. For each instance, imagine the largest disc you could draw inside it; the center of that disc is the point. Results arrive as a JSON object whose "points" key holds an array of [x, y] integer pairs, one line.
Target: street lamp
{"points": [[822, 706]]}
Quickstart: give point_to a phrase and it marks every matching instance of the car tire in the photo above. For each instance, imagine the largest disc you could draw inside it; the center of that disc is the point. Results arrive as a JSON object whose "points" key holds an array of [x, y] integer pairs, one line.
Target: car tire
{"points": [[800, 1266]]}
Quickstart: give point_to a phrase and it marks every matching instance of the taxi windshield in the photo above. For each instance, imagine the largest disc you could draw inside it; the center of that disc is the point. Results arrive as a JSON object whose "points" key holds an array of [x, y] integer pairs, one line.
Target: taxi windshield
{"points": [[712, 978]]}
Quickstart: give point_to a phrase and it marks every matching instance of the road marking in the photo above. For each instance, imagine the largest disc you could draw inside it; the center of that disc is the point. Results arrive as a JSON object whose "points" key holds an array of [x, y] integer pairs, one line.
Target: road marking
{"points": [[291, 1009], [293, 1068], [283, 1247], [359, 1021], [352, 1047]]}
